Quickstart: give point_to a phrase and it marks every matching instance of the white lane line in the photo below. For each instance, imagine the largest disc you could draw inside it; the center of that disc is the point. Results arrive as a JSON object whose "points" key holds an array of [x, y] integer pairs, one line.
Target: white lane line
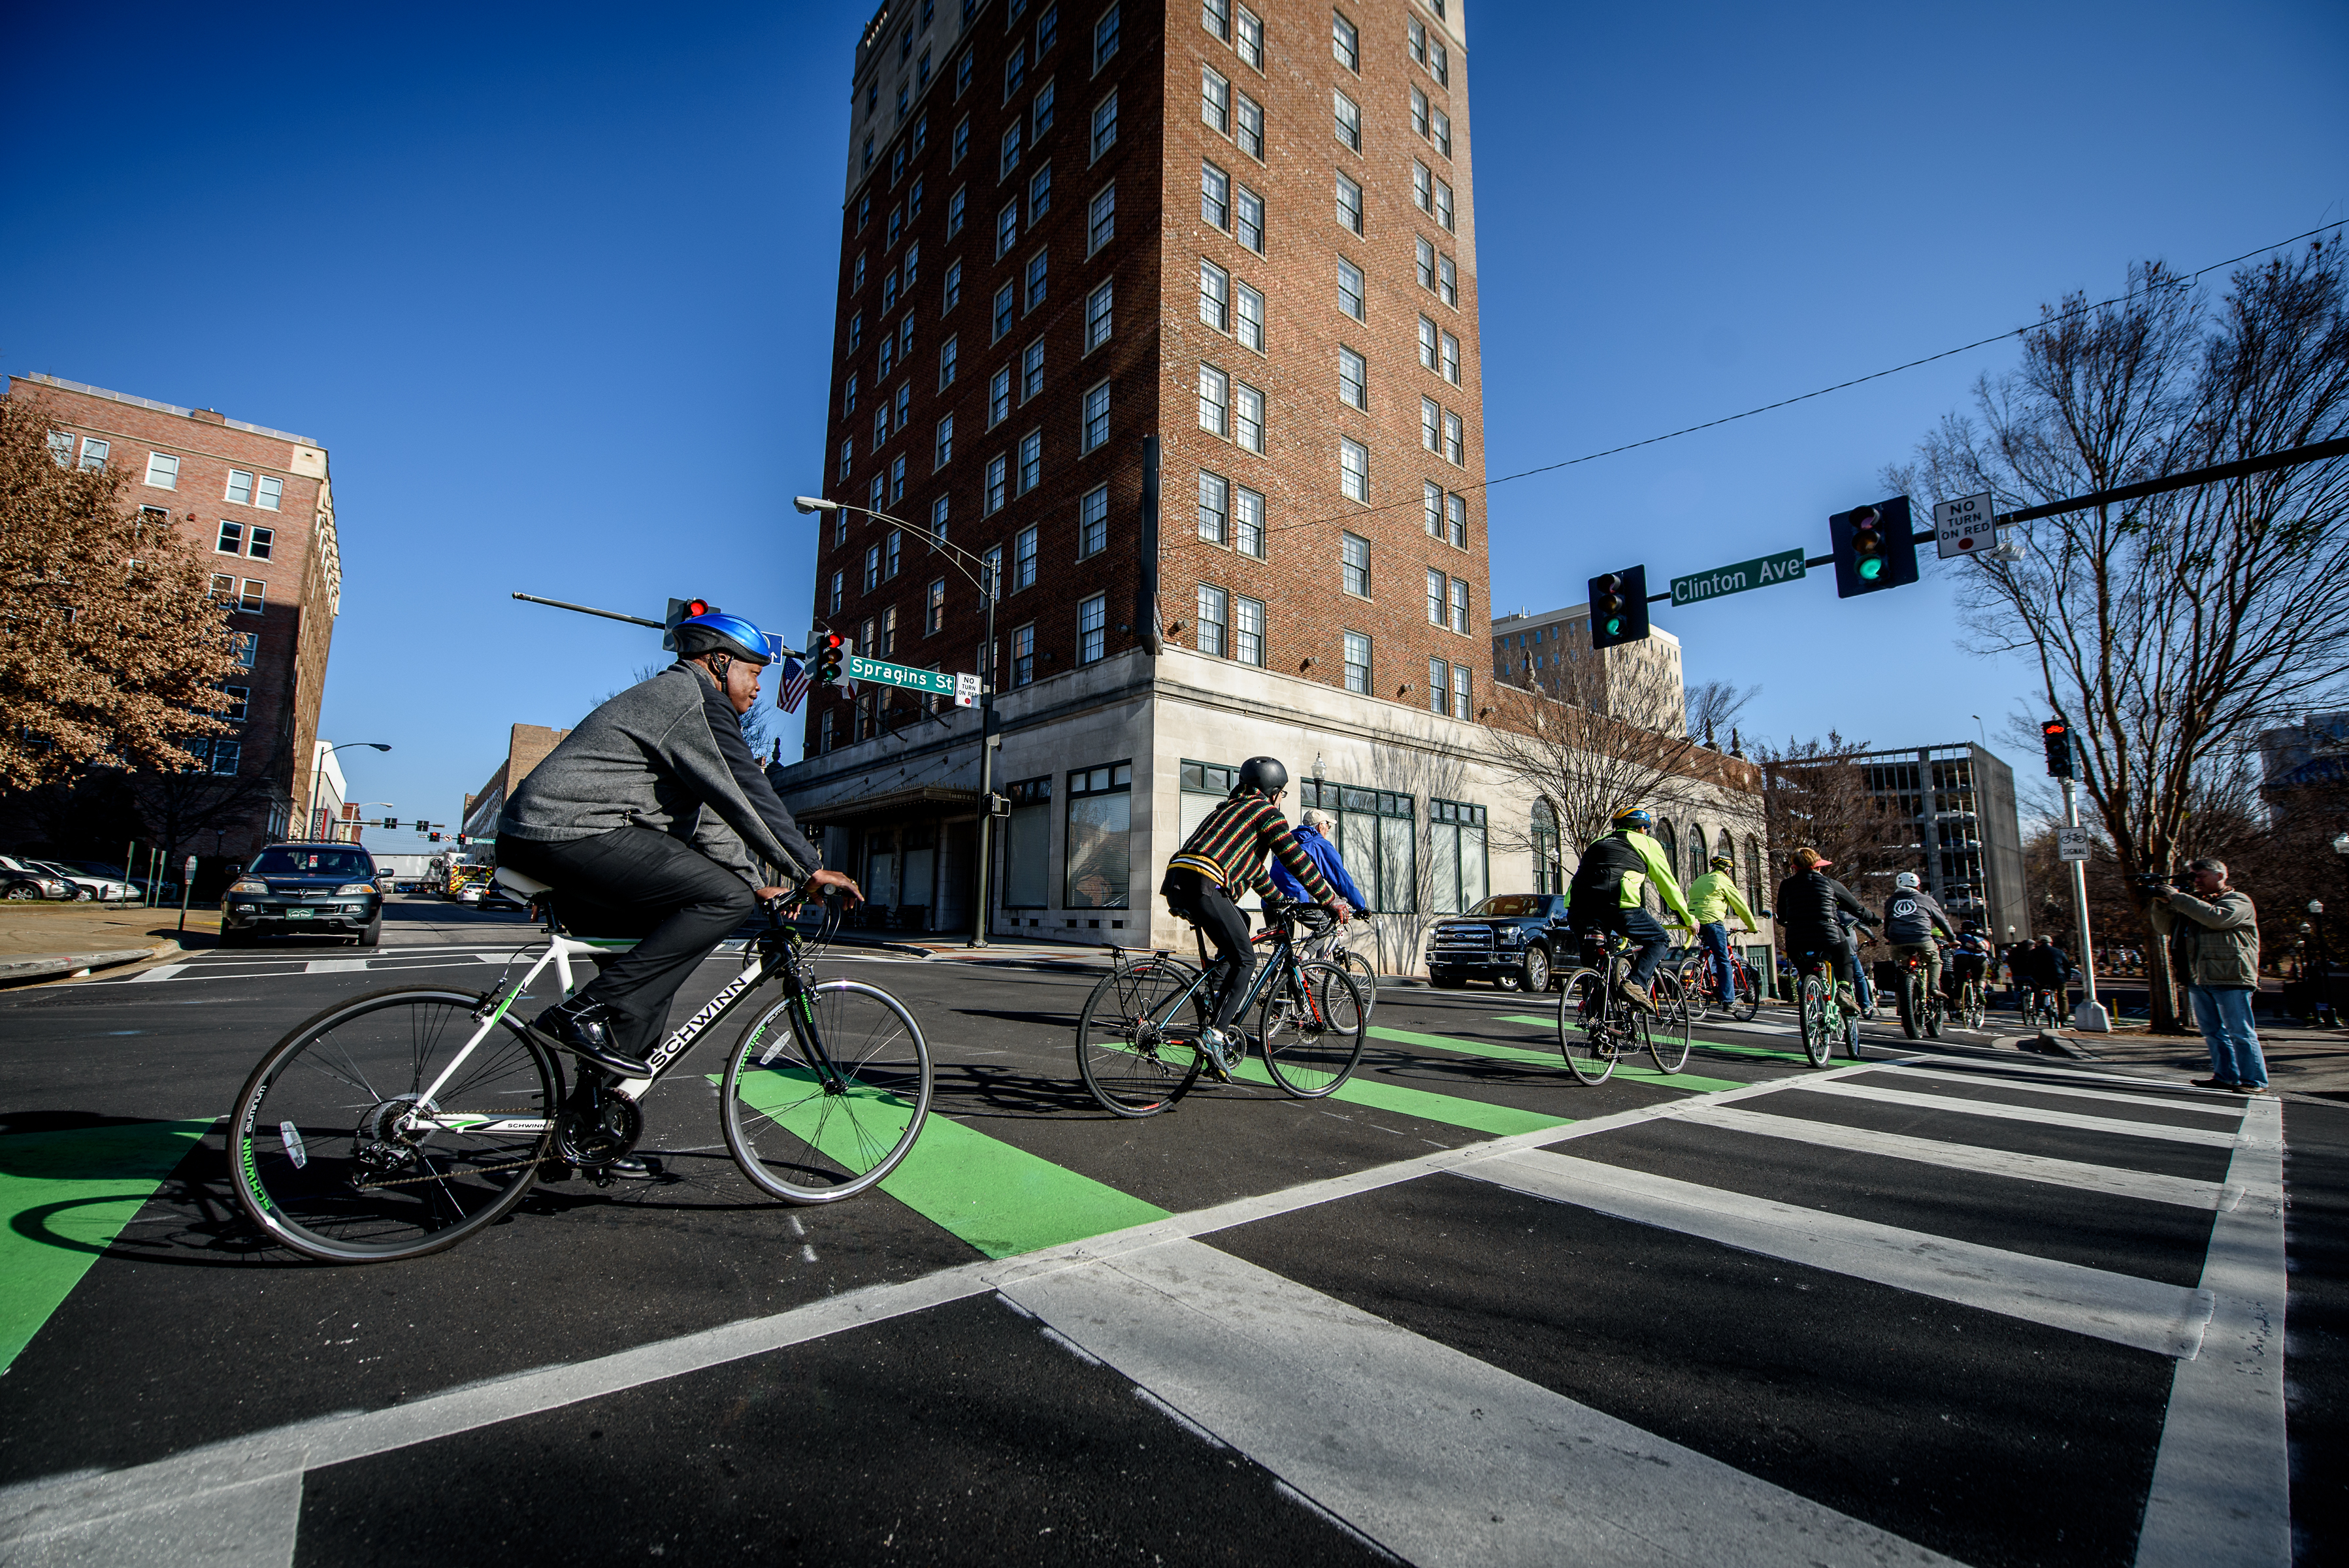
{"points": [[2122, 1308], [2116, 1181], [2037, 1069], [2230, 1110], [2222, 1493], [1750, 1029], [2206, 1137], [1430, 1453], [160, 972], [336, 966]]}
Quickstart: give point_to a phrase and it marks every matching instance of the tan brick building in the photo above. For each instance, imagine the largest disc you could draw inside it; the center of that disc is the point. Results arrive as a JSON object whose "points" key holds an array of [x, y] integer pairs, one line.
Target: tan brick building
{"points": [[527, 745], [259, 502]]}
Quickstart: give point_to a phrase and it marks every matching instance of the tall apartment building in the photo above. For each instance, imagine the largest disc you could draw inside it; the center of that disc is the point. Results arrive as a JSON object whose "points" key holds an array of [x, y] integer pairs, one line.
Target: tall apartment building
{"points": [[1245, 231], [1959, 802], [259, 502], [1550, 652]]}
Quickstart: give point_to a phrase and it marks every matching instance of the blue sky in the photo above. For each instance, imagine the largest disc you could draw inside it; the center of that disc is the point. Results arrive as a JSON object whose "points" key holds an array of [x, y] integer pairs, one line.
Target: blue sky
{"points": [[553, 286]]}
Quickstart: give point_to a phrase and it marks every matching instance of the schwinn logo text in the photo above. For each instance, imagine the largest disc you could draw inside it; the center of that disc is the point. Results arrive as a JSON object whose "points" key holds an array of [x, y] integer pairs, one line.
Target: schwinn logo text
{"points": [[701, 1021]]}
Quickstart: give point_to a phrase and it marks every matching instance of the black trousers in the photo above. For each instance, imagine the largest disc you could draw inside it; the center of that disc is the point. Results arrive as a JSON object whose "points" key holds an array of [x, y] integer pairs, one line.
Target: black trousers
{"points": [[633, 881], [1211, 909]]}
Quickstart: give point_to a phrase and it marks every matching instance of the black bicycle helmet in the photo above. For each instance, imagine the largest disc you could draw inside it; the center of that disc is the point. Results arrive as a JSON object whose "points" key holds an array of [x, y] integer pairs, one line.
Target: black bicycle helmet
{"points": [[1264, 775]]}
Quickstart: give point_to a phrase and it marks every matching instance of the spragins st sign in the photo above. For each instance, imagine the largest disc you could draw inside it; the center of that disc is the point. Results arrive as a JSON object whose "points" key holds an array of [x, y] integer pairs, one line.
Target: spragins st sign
{"points": [[1761, 572]]}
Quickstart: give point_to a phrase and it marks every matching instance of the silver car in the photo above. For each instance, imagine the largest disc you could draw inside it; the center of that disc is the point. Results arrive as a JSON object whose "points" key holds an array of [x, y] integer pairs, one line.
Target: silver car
{"points": [[84, 885], [21, 879]]}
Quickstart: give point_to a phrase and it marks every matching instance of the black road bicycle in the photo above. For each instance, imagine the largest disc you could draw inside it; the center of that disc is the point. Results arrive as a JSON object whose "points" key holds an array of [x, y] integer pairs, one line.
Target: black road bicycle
{"points": [[1139, 1046], [396, 1124], [1599, 1026], [1921, 1006]]}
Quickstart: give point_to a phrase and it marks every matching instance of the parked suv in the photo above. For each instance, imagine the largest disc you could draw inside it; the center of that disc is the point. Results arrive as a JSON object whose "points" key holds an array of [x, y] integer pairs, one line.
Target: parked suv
{"points": [[20, 879], [305, 887], [1513, 939]]}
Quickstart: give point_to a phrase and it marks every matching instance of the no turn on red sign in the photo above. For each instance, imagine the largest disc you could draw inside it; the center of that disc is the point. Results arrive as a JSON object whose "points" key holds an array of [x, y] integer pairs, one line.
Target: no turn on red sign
{"points": [[1962, 527]]}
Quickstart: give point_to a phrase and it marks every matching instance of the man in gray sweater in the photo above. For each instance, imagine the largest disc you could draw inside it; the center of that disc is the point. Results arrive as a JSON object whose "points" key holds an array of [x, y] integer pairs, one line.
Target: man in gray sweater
{"points": [[652, 819], [2214, 942]]}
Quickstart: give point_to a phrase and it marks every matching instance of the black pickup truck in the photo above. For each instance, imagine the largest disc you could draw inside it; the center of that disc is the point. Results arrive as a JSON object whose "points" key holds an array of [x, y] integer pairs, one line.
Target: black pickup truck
{"points": [[1513, 939]]}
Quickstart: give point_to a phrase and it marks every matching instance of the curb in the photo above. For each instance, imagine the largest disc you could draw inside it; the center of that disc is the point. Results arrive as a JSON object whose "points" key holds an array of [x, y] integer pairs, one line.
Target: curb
{"points": [[75, 965]]}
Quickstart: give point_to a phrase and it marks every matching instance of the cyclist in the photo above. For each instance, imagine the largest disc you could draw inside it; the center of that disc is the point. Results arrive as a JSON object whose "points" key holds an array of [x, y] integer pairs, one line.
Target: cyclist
{"points": [[1971, 961], [1912, 916], [1712, 899], [1225, 853], [1606, 896], [651, 820], [1810, 906], [1313, 837]]}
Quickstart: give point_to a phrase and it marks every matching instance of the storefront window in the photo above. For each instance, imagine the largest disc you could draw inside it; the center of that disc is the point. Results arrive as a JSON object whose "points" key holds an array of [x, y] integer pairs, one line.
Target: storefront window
{"points": [[1205, 785], [1375, 838], [1549, 865], [1028, 845], [1456, 834], [1101, 802]]}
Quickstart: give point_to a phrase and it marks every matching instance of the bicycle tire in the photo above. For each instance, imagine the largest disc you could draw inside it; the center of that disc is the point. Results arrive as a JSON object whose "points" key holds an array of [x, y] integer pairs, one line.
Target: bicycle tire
{"points": [[1912, 1023], [1668, 1031], [316, 1163], [1749, 996], [1584, 1028], [1128, 1006], [1815, 1009], [1696, 989], [1312, 1027], [1977, 1008], [1935, 1011], [1365, 977], [806, 1136]]}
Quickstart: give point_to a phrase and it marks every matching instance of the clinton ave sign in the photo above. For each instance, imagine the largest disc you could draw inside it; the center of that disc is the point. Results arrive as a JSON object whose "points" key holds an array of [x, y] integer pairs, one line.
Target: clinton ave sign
{"points": [[1761, 572]]}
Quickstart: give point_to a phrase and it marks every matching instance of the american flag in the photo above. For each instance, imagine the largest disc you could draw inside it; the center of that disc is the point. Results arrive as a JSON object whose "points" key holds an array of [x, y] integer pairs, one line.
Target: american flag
{"points": [[797, 678]]}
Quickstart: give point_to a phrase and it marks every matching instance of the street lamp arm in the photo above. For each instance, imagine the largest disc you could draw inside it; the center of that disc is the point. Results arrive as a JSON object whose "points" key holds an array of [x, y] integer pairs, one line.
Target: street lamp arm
{"points": [[958, 555]]}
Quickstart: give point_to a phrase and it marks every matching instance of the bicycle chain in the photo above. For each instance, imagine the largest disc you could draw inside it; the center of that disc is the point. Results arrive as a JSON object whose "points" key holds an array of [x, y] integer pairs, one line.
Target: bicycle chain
{"points": [[471, 1170]]}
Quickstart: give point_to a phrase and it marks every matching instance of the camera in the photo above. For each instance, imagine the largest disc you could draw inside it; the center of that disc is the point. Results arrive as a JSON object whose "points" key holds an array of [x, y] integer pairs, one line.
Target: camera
{"points": [[2150, 882]]}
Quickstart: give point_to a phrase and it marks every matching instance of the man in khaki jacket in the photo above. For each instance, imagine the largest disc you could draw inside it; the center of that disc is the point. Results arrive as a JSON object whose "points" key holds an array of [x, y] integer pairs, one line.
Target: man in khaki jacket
{"points": [[2214, 941]]}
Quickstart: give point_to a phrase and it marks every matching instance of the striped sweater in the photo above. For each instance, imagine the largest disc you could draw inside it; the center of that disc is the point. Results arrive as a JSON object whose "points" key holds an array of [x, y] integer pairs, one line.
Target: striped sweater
{"points": [[1229, 847]]}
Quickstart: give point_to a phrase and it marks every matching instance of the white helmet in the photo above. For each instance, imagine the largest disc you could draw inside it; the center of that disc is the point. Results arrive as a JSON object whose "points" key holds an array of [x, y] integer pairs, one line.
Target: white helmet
{"points": [[1906, 881]]}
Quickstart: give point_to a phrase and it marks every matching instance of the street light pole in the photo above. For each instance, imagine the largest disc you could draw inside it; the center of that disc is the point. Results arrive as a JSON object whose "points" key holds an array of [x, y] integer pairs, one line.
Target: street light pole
{"points": [[311, 817]]}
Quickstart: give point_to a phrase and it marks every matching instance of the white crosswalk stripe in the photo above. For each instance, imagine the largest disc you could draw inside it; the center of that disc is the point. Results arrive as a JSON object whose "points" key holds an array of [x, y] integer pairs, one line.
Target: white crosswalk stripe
{"points": [[2210, 1138]]}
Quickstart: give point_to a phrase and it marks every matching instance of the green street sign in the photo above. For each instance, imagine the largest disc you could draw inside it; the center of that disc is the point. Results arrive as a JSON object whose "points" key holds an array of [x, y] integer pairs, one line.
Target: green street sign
{"points": [[861, 668], [1761, 572]]}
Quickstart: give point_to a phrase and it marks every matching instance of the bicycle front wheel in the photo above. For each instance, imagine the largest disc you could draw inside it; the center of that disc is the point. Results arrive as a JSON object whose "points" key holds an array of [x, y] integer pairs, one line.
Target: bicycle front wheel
{"points": [[1696, 989], [1912, 1006], [333, 1152], [1586, 1036], [1364, 974], [1668, 1031], [1312, 1023], [826, 1092], [1749, 995], [1977, 1013], [1137, 1039], [1819, 1042]]}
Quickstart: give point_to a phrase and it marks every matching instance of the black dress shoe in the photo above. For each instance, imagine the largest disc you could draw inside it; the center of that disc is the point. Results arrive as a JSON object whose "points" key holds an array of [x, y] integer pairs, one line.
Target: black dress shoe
{"points": [[587, 1033]]}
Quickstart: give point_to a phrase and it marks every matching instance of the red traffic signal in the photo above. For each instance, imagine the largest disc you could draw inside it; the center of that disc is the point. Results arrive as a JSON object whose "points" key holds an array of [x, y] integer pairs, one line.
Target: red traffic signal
{"points": [[831, 653], [696, 606], [2056, 735]]}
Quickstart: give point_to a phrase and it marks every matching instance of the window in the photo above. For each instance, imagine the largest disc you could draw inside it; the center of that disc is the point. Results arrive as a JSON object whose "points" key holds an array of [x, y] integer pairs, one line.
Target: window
{"points": [[848, 395], [1009, 157], [1100, 219], [1214, 620], [1248, 37], [1345, 43], [1440, 132], [1444, 203], [998, 397], [1216, 16], [1023, 559], [878, 496], [1247, 522], [848, 456], [250, 598], [1353, 380], [1461, 703], [1047, 30], [1354, 559], [1215, 401], [1431, 500], [1438, 63], [231, 538], [1418, 39], [1040, 193], [1249, 311], [956, 209], [1214, 296], [1247, 126], [889, 292], [1423, 186], [1352, 290], [856, 274], [1031, 460], [1427, 336], [1418, 111], [224, 756], [61, 449], [1431, 423], [945, 451], [1092, 522], [863, 210], [1358, 663], [1023, 657], [1006, 298], [1247, 417], [1099, 855], [1036, 265], [868, 140], [163, 470], [1354, 470], [1455, 516], [991, 574], [1450, 366], [1015, 71], [939, 518], [1455, 447], [889, 632], [826, 728], [1349, 118], [872, 567], [1439, 688], [1028, 839], [949, 362], [888, 357], [954, 284], [1031, 370], [1215, 507], [1215, 195], [1460, 605], [1096, 416], [1426, 265], [898, 214], [1039, 113], [1214, 99], [1247, 219], [998, 482], [880, 433], [1007, 226], [93, 452], [1105, 126], [1104, 37], [247, 645], [1447, 281], [1349, 204], [1097, 317], [1435, 597], [856, 341], [1456, 835], [839, 588], [223, 585], [240, 484], [961, 141], [1092, 629], [1375, 834]]}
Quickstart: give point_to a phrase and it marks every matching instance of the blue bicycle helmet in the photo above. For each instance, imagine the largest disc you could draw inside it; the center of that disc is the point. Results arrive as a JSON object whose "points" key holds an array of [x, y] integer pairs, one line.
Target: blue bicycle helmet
{"points": [[720, 632], [1635, 817]]}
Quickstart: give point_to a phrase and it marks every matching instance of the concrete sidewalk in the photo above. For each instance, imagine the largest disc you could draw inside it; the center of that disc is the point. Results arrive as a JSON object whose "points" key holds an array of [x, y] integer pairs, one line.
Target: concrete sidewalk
{"points": [[2300, 1060]]}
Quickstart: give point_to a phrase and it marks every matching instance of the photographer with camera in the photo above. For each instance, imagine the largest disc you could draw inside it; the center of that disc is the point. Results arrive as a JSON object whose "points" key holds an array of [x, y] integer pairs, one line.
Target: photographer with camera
{"points": [[2214, 942]]}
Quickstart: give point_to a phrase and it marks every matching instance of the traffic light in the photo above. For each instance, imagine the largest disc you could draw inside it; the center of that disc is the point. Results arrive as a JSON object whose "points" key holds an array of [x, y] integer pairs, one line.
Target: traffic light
{"points": [[830, 653], [1873, 547], [435, 838], [679, 609], [390, 823], [2057, 735], [1619, 607]]}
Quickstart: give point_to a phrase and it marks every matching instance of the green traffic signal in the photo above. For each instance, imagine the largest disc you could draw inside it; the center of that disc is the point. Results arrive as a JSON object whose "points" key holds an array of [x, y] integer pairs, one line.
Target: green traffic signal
{"points": [[1871, 568], [1619, 607]]}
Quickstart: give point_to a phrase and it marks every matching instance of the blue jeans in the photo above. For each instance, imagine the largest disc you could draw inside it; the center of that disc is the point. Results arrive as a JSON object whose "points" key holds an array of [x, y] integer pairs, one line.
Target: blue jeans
{"points": [[1714, 934], [2225, 1013], [1648, 937]]}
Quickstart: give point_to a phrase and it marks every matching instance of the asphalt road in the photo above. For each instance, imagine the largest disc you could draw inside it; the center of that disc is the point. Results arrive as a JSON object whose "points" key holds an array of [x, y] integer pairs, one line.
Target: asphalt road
{"points": [[1959, 1306]]}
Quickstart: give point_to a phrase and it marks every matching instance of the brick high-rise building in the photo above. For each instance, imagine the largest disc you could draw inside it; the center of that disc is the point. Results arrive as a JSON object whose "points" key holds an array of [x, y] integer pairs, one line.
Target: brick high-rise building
{"points": [[259, 502]]}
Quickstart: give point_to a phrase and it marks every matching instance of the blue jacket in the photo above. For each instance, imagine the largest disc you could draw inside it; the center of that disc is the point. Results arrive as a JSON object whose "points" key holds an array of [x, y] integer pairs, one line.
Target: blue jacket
{"points": [[1325, 855]]}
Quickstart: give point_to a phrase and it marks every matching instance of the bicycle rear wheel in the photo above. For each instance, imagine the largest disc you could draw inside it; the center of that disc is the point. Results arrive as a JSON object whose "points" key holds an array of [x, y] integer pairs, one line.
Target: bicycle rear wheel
{"points": [[1313, 1034], [812, 1125], [1818, 1044], [1137, 1051], [1668, 1031], [1749, 993], [1586, 1036], [1977, 1012], [321, 1159], [1364, 974], [1696, 989]]}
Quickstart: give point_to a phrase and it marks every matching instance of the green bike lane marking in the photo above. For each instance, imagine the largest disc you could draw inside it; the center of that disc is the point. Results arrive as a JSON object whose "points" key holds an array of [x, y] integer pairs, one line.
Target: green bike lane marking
{"points": [[1762, 1052], [67, 1195], [1623, 1070]]}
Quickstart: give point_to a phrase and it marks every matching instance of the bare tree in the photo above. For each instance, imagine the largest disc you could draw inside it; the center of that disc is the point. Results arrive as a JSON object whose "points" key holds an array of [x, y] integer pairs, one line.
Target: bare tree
{"points": [[1426, 769], [1816, 794], [2167, 630]]}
